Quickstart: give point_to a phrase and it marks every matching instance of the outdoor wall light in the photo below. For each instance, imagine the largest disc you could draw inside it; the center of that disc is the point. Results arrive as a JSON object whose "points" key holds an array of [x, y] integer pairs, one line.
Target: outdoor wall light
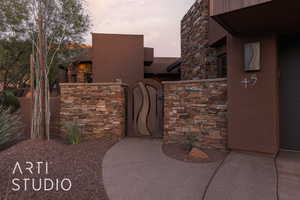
{"points": [[252, 54]]}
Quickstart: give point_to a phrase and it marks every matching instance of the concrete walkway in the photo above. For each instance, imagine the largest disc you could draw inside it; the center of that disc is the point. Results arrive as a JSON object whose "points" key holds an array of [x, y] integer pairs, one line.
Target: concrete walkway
{"points": [[137, 169], [244, 177], [288, 164]]}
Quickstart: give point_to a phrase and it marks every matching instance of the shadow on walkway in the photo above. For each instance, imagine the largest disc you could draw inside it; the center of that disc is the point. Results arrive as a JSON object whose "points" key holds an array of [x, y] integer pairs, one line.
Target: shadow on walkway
{"points": [[288, 165]]}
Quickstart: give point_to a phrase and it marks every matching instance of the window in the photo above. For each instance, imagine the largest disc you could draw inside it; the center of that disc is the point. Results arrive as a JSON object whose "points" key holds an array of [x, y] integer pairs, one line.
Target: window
{"points": [[88, 78]]}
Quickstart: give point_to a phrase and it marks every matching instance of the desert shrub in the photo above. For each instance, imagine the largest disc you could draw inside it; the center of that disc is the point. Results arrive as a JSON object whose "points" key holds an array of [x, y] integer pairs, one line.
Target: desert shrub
{"points": [[190, 141], [73, 132], [9, 100], [11, 125]]}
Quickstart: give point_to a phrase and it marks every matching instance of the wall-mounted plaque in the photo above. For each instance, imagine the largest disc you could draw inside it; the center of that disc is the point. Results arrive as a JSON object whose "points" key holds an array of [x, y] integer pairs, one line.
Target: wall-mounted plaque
{"points": [[252, 56]]}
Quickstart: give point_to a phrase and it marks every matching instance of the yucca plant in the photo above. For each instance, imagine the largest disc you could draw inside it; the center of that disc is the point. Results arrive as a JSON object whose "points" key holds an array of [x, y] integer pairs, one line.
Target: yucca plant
{"points": [[74, 132], [11, 125]]}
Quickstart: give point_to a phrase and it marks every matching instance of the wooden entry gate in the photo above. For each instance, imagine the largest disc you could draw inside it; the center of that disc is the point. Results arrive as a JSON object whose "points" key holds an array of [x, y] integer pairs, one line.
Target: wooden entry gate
{"points": [[145, 117]]}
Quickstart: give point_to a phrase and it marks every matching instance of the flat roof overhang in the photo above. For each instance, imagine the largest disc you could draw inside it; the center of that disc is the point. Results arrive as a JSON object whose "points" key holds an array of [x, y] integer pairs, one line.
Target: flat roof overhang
{"points": [[277, 16]]}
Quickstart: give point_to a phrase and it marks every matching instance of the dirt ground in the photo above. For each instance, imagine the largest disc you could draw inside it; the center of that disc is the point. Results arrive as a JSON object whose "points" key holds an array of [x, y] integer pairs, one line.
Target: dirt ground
{"points": [[74, 170]]}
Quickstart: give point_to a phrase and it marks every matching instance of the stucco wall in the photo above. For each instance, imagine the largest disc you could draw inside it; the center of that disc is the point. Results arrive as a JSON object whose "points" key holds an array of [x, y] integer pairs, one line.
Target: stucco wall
{"points": [[196, 108], [118, 57], [26, 106], [199, 60], [99, 108], [253, 112]]}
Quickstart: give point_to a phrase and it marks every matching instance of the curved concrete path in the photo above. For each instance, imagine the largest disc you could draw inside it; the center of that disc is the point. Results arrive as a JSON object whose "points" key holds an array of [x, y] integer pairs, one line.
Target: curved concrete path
{"points": [[244, 177], [137, 169]]}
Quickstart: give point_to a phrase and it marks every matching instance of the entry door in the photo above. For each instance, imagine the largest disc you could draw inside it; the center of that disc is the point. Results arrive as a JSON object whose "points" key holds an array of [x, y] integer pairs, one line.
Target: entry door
{"points": [[147, 109], [289, 58]]}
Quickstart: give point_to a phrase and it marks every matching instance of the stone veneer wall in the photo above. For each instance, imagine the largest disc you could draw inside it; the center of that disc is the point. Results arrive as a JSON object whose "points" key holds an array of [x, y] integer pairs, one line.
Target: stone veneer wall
{"points": [[199, 60], [99, 108], [196, 108]]}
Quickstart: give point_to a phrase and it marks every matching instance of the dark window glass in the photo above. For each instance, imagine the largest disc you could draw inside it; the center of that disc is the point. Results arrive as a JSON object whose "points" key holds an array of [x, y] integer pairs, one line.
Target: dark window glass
{"points": [[88, 78]]}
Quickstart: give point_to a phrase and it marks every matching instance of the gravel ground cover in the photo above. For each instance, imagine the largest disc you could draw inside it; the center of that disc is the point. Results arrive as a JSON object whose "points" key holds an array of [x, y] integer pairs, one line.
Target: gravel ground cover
{"points": [[37, 165]]}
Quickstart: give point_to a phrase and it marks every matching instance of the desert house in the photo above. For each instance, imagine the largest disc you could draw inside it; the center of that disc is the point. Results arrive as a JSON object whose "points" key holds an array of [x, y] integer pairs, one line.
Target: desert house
{"points": [[235, 85], [122, 57]]}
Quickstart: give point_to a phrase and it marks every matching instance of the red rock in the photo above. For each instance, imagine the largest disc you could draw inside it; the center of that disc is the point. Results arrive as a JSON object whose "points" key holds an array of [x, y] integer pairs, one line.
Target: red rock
{"points": [[197, 153]]}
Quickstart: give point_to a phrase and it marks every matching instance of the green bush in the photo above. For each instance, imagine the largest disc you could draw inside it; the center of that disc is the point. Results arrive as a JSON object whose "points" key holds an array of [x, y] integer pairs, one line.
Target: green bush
{"points": [[9, 100], [74, 132], [11, 125], [191, 141]]}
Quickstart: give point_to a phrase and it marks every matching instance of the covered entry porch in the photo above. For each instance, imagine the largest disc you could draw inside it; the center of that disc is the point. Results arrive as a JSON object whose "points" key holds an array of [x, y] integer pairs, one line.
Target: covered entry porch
{"points": [[264, 103], [263, 73]]}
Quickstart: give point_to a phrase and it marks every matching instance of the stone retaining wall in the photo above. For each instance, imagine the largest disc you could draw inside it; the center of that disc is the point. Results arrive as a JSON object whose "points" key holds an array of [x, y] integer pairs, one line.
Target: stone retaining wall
{"points": [[198, 59], [99, 108], [196, 108]]}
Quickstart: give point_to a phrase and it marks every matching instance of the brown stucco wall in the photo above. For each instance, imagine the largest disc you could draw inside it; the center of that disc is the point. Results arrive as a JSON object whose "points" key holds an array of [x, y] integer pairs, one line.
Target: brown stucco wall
{"points": [[99, 108], [220, 6], [196, 108], [216, 32], [26, 115], [118, 57], [253, 112], [198, 58], [148, 54]]}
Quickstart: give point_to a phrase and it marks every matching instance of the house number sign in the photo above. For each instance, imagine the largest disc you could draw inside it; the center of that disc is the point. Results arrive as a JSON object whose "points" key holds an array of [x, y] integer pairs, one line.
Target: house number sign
{"points": [[250, 82]]}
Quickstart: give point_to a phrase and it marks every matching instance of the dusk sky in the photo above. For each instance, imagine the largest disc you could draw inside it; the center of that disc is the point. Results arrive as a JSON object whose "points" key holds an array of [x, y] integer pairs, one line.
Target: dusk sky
{"points": [[157, 20]]}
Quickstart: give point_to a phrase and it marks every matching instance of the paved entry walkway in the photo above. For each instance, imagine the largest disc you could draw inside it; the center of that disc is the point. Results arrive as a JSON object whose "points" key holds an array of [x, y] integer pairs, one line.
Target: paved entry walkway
{"points": [[244, 177], [288, 164], [137, 169]]}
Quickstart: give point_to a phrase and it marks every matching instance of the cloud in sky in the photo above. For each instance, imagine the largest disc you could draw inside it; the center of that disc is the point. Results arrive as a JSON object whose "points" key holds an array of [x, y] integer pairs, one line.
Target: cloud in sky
{"points": [[157, 20]]}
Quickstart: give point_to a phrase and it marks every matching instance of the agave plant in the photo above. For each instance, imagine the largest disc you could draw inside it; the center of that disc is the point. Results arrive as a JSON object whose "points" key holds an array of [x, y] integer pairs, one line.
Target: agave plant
{"points": [[11, 125]]}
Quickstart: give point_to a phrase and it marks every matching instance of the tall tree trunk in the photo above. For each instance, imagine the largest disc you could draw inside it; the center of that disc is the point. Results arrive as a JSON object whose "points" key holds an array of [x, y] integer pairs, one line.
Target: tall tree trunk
{"points": [[42, 63], [32, 91], [41, 106], [47, 109]]}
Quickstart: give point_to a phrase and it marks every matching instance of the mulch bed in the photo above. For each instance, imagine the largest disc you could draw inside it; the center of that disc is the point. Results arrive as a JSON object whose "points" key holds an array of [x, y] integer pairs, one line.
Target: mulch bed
{"points": [[180, 152], [81, 163]]}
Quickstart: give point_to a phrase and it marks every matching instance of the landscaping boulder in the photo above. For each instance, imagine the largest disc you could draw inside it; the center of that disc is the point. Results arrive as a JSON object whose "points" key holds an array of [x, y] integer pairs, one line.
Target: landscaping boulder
{"points": [[198, 154]]}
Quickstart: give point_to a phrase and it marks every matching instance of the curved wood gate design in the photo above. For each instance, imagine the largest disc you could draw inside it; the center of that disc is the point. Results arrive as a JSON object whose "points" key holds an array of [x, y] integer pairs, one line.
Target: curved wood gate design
{"points": [[146, 117]]}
